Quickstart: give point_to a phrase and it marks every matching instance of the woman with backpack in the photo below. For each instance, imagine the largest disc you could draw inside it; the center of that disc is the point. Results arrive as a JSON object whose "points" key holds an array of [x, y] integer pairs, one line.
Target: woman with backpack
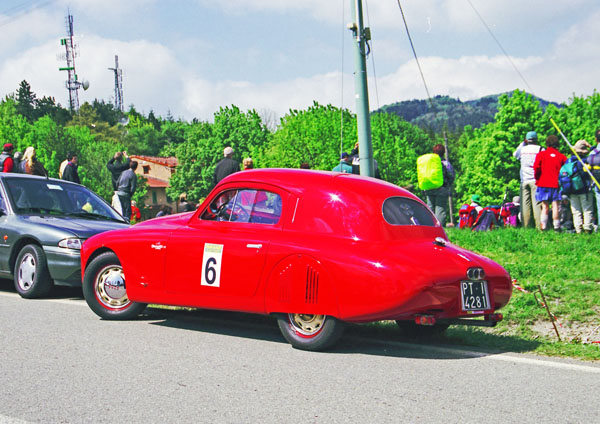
{"points": [[575, 183], [546, 169]]}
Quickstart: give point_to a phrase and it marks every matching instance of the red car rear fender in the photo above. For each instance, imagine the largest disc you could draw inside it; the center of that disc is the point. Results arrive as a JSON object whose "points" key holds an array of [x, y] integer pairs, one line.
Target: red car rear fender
{"points": [[301, 284]]}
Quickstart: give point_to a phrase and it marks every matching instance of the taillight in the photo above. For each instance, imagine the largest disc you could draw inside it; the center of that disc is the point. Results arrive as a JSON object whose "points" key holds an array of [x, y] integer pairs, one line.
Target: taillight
{"points": [[494, 317]]}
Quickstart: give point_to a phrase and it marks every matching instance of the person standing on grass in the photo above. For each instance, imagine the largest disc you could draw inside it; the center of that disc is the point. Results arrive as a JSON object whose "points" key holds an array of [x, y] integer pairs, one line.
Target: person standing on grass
{"points": [[526, 153], [591, 160], [546, 169], [126, 187], [582, 205]]}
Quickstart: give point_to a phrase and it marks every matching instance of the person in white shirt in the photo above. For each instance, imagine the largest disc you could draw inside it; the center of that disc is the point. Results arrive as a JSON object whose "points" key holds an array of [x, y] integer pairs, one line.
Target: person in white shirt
{"points": [[526, 153]]}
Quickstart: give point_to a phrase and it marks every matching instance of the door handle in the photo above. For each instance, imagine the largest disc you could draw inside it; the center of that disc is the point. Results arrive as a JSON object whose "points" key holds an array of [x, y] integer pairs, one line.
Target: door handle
{"points": [[253, 246]]}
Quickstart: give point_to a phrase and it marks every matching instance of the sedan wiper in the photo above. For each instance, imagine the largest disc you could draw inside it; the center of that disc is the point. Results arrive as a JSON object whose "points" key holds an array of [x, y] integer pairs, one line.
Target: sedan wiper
{"points": [[93, 215]]}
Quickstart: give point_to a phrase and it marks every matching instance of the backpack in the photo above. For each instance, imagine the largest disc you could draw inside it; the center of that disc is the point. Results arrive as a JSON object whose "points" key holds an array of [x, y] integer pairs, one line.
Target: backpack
{"points": [[467, 215], [486, 220], [594, 162], [430, 174], [510, 214], [570, 177]]}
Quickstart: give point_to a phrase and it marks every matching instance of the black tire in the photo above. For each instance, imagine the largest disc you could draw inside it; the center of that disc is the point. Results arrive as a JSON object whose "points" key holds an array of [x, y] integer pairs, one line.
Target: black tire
{"points": [[412, 330], [104, 289], [31, 275], [310, 332]]}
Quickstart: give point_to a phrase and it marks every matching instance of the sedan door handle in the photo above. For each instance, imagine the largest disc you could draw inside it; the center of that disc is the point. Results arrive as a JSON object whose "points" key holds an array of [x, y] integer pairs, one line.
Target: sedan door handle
{"points": [[253, 246]]}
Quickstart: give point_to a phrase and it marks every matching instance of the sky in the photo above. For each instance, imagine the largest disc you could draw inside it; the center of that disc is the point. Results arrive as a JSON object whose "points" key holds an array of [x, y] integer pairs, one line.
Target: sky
{"points": [[188, 58]]}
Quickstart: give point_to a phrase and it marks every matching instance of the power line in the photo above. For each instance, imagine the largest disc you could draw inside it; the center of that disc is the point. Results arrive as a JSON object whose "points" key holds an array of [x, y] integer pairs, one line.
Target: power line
{"points": [[21, 10], [415, 54], [500, 45]]}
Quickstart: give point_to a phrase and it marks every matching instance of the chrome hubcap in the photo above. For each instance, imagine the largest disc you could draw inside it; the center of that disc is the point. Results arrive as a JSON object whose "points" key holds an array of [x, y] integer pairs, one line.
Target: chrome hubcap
{"points": [[26, 273], [306, 324], [110, 287]]}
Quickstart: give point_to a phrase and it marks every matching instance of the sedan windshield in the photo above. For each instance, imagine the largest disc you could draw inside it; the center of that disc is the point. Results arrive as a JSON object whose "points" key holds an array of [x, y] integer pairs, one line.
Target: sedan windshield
{"points": [[50, 197]]}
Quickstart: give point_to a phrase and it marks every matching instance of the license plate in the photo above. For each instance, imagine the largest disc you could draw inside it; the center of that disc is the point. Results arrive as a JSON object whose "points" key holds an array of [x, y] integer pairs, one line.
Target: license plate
{"points": [[474, 295]]}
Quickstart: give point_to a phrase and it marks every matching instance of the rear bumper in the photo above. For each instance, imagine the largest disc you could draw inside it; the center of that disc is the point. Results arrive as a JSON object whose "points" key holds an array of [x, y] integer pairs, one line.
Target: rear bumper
{"points": [[64, 265]]}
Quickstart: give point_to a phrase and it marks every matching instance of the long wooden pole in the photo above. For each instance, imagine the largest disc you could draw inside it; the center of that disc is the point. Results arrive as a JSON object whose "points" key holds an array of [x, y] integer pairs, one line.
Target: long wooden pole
{"points": [[450, 201]]}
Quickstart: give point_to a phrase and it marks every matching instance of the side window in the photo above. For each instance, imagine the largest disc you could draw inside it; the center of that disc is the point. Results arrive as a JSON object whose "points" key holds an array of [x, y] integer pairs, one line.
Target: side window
{"points": [[2, 204], [246, 205], [405, 211]]}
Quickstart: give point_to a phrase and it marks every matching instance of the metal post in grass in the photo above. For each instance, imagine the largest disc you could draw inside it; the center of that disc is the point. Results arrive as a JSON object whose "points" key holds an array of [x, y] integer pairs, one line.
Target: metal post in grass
{"points": [[549, 313]]}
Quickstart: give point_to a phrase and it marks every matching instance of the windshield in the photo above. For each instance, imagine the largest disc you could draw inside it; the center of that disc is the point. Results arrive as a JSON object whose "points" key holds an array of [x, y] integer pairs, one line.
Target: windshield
{"points": [[404, 211], [51, 197]]}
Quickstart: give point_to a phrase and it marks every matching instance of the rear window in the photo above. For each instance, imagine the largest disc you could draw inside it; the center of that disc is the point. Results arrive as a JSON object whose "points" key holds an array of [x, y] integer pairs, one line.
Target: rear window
{"points": [[404, 211]]}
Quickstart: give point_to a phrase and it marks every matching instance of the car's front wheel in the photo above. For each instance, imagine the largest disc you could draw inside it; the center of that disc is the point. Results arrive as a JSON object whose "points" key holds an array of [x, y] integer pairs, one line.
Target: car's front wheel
{"points": [[310, 332], [104, 289], [32, 278]]}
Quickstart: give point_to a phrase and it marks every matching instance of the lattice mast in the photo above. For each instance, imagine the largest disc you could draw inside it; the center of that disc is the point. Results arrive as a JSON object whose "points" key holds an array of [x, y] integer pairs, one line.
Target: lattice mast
{"points": [[72, 83], [118, 85]]}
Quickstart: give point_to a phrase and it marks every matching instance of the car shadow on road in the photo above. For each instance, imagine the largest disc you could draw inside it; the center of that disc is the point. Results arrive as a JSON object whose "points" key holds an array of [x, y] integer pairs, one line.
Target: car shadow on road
{"points": [[357, 339], [58, 292]]}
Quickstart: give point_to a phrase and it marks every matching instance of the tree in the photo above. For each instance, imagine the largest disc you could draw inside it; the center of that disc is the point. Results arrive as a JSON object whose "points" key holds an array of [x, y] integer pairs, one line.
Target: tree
{"points": [[396, 146], [313, 136], [203, 148], [487, 162], [26, 101]]}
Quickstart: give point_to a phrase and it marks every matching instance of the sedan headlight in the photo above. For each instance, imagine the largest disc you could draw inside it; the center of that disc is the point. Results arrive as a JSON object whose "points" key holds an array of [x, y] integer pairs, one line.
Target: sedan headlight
{"points": [[71, 243]]}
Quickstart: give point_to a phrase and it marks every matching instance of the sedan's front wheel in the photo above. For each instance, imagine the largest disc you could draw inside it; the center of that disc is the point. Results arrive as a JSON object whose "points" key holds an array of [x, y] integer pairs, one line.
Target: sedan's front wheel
{"points": [[32, 278], [104, 289], [310, 332]]}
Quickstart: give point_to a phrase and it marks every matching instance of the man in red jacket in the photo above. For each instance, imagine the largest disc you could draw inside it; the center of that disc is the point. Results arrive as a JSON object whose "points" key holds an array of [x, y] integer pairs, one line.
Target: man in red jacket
{"points": [[546, 169]]}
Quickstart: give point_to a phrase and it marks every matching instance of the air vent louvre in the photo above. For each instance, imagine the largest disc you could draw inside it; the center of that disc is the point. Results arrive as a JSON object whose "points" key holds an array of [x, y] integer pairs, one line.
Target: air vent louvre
{"points": [[312, 285]]}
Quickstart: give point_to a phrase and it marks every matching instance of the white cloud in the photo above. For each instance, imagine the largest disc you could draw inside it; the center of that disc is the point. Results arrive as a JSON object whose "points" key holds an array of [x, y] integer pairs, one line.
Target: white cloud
{"points": [[203, 98]]}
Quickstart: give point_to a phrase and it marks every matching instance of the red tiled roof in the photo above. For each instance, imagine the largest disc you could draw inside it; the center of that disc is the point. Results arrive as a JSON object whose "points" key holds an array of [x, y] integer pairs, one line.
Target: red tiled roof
{"points": [[155, 182], [170, 161]]}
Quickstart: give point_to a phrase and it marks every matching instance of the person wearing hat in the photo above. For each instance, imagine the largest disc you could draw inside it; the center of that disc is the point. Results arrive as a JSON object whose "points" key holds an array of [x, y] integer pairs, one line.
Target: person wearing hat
{"points": [[476, 202], [526, 153], [582, 205], [6, 159], [226, 166], [345, 164]]}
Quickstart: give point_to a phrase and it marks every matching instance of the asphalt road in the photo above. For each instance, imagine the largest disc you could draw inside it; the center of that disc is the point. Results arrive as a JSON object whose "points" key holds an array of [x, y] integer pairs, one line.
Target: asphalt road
{"points": [[59, 363]]}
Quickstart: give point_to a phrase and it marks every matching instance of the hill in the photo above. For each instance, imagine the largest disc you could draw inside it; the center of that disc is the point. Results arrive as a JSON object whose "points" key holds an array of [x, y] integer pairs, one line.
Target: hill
{"points": [[455, 112]]}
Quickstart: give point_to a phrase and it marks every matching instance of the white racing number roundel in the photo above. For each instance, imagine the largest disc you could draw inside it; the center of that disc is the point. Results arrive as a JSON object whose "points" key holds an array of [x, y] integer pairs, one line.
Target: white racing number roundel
{"points": [[211, 264]]}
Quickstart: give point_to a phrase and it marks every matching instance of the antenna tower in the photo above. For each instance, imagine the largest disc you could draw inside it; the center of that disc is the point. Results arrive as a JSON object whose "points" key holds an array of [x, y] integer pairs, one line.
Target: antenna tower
{"points": [[118, 85], [72, 83]]}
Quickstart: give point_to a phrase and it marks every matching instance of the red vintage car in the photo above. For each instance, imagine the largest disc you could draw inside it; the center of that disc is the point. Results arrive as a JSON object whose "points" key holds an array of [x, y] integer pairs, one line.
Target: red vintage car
{"points": [[315, 249]]}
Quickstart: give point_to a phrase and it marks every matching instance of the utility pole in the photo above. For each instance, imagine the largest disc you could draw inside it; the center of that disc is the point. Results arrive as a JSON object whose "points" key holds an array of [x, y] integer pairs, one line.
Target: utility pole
{"points": [[118, 85], [361, 36], [450, 188]]}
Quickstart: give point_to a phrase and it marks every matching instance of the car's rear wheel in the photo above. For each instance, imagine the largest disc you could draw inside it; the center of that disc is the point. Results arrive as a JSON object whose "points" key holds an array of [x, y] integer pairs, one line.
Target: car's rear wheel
{"points": [[32, 278], [104, 289], [310, 332], [413, 330]]}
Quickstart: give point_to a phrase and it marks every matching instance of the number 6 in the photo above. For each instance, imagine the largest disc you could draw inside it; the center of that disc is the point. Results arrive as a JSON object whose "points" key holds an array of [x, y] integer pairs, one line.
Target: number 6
{"points": [[210, 274]]}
